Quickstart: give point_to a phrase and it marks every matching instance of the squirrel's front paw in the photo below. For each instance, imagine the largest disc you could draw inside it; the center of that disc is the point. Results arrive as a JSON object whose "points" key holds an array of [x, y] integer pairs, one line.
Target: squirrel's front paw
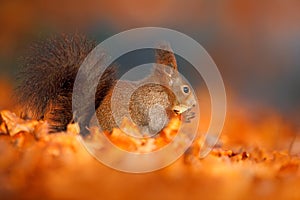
{"points": [[188, 116]]}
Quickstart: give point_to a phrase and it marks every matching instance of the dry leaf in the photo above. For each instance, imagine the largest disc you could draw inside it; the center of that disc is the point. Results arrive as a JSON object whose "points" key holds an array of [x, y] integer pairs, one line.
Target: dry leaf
{"points": [[16, 125]]}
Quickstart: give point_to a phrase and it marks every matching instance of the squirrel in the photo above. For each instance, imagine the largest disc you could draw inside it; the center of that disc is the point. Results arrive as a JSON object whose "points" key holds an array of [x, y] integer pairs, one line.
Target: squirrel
{"points": [[48, 74]]}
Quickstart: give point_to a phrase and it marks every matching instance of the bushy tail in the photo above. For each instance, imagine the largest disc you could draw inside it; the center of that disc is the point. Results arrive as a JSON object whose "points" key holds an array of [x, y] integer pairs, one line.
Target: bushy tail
{"points": [[47, 78]]}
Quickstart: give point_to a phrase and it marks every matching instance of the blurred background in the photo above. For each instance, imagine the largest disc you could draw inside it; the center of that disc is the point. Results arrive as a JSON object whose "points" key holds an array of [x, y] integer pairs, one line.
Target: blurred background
{"points": [[256, 45]]}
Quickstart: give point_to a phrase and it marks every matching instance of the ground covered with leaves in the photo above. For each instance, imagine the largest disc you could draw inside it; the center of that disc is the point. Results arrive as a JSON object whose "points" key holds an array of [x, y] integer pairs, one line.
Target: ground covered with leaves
{"points": [[244, 165]]}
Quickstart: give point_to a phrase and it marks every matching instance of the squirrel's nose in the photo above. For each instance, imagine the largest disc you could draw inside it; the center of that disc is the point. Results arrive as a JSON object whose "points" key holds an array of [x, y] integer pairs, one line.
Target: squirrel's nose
{"points": [[176, 111]]}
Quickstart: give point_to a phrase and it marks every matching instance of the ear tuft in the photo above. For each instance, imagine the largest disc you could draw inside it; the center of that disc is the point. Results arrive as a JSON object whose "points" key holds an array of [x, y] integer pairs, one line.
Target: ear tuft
{"points": [[165, 55]]}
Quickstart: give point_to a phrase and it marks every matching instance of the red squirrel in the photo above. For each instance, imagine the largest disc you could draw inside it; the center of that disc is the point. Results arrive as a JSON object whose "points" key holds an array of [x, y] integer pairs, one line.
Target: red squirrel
{"points": [[49, 71]]}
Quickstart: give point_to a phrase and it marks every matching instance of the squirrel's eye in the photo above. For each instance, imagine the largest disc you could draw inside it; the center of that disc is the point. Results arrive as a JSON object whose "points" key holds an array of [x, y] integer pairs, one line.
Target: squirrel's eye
{"points": [[186, 89]]}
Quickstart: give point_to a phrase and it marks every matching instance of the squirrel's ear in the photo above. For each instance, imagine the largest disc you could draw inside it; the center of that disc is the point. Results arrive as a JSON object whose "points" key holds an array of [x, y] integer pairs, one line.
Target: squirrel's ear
{"points": [[165, 55], [169, 71], [168, 75]]}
